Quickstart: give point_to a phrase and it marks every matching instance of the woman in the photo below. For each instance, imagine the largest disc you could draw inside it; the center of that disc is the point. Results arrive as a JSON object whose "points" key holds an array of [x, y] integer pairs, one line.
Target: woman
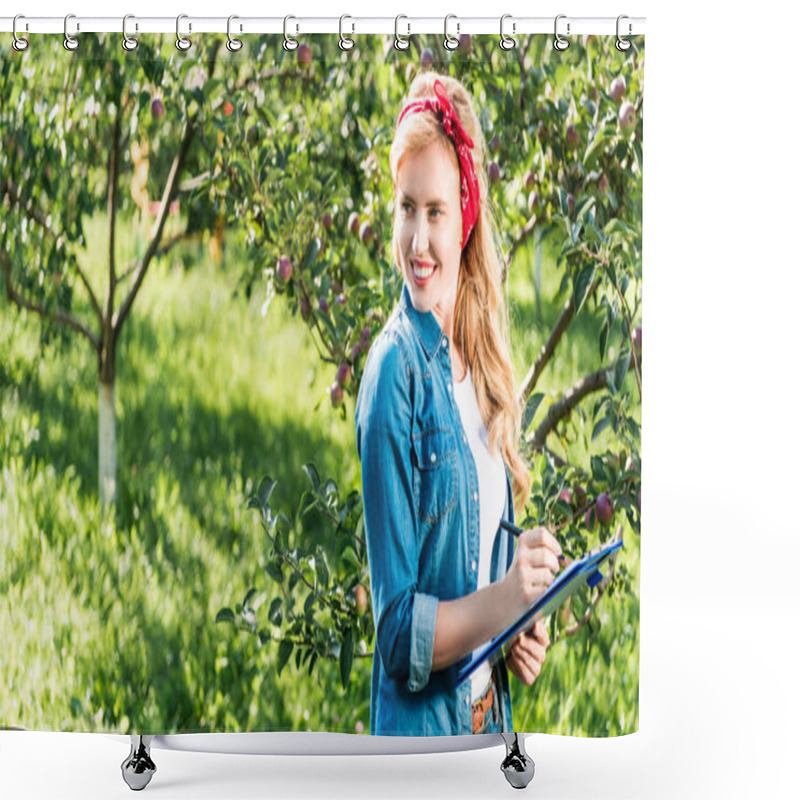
{"points": [[437, 425]]}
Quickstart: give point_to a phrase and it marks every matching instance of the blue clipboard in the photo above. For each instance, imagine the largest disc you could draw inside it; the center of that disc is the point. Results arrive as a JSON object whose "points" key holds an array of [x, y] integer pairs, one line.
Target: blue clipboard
{"points": [[570, 580]]}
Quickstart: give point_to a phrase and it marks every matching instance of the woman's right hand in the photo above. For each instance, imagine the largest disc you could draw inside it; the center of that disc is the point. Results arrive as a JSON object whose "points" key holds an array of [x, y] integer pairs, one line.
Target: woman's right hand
{"points": [[533, 569]]}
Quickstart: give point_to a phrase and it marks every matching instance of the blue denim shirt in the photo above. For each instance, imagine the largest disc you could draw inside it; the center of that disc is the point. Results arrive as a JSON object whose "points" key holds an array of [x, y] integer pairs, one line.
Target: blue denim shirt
{"points": [[422, 522]]}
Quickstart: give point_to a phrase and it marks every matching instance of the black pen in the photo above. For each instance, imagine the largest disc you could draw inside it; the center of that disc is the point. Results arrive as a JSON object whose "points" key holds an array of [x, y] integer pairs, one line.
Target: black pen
{"points": [[512, 528]]}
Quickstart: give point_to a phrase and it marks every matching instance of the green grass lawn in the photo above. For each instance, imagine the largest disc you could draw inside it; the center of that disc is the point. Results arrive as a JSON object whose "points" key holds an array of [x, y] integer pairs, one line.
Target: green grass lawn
{"points": [[108, 620]]}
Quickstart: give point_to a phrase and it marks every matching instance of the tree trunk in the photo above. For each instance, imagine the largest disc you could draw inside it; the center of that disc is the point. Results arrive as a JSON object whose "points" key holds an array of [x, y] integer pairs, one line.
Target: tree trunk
{"points": [[107, 450]]}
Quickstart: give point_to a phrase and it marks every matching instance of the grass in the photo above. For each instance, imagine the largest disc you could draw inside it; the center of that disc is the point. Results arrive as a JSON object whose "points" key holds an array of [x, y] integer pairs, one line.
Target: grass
{"points": [[110, 616]]}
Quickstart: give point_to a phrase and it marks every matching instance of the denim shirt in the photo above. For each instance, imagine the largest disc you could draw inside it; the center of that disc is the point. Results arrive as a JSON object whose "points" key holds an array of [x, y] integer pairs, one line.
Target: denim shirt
{"points": [[422, 521]]}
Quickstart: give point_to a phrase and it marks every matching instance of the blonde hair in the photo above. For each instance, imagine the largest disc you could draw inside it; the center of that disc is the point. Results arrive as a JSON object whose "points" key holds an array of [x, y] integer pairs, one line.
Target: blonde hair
{"points": [[480, 323]]}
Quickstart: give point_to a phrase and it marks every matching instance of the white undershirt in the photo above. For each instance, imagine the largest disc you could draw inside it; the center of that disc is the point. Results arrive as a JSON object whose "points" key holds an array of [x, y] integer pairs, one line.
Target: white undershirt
{"points": [[491, 497]]}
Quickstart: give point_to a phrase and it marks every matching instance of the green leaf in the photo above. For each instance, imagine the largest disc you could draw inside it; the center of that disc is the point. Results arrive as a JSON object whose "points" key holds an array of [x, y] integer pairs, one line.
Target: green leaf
{"points": [[602, 136], [603, 340], [582, 281], [225, 615], [598, 469], [600, 427], [346, 657], [313, 475], [615, 225], [275, 615], [530, 409], [284, 652], [312, 251], [621, 366], [248, 597], [274, 569]]}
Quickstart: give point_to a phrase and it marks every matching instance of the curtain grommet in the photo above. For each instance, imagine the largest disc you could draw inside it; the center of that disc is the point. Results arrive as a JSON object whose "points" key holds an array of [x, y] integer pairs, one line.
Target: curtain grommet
{"points": [[19, 43], [289, 44], [451, 42], [128, 42], [233, 44], [345, 43], [182, 42], [506, 42], [560, 43], [70, 42], [622, 43], [401, 42]]}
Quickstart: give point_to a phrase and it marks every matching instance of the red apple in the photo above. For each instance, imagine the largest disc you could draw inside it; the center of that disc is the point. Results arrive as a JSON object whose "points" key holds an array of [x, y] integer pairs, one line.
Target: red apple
{"points": [[227, 107], [322, 304], [157, 108], [336, 395], [365, 232], [637, 339], [327, 221], [494, 172], [627, 117], [605, 511], [530, 179], [353, 222], [343, 375], [580, 496], [304, 54], [565, 495], [573, 137], [284, 268], [617, 90], [361, 600], [426, 59]]}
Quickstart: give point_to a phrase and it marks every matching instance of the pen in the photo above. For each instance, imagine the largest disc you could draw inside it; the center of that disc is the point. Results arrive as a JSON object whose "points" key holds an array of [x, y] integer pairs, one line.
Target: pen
{"points": [[512, 528]]}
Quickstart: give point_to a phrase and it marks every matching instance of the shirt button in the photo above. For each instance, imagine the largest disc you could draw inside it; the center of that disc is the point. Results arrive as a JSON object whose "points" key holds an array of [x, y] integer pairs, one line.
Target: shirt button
{"points": [[433, 458], [475, 496], [444, 343], [449, 387], [473, 565]]}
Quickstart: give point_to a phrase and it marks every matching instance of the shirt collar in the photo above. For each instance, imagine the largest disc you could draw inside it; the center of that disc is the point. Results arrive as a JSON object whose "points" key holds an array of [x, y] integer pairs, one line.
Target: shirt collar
{"points": [[424, 323]]}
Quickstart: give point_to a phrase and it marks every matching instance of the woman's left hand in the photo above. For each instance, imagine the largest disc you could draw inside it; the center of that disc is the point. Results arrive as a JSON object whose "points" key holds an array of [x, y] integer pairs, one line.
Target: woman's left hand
{"points": [[528, 652]]}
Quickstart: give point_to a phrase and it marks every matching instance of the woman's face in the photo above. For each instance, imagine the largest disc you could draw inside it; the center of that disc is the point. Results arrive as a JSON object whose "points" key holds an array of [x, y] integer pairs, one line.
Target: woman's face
{"points": [[428, 197]]}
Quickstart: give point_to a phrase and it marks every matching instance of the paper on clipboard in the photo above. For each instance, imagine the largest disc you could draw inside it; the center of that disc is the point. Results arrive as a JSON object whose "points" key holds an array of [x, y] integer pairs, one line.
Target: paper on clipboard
{"points": [[568, 582]]}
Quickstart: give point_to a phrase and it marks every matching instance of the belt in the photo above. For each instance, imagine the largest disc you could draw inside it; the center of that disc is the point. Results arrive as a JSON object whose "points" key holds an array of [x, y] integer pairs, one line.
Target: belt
{"points": [[485, 707]]}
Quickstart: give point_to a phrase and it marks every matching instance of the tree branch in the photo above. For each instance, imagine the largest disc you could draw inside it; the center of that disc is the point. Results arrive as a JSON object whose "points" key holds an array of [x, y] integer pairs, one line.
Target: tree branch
{"points": [[593, 382], [546, 353], [58, 315], [517, 243], [10, 189], [166, 199]]}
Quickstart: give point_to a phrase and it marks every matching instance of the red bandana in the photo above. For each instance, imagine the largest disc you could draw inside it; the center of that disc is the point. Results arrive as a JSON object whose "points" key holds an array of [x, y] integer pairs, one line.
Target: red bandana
{"points": [[470, 193]]}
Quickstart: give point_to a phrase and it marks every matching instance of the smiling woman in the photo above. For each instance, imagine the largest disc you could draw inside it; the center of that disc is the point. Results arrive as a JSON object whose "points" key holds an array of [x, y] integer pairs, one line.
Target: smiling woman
{"points": [[445, 578]]}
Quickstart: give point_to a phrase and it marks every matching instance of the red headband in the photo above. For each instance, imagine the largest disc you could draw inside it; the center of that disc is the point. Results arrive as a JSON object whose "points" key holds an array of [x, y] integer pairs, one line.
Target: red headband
{"points": [[470, 192]]}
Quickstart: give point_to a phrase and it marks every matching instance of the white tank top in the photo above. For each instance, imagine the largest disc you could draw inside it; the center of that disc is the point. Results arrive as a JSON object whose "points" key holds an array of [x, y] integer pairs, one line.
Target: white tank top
{"points": [[491, 497]]}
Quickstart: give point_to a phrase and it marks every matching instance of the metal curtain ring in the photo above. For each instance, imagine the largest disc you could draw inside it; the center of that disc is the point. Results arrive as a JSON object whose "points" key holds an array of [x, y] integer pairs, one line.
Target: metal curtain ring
{"points": [[19, 43], [128, 43], [182, 43], [344, 42], [401, 42], [233, 44], [622, 44], [560, 43], [288, 42], [70, 42], [451, 42], [506, 42]]}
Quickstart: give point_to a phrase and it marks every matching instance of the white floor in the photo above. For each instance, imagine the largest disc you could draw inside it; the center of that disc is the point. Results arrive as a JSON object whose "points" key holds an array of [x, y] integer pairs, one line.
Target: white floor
{"points": [[718, 718]]}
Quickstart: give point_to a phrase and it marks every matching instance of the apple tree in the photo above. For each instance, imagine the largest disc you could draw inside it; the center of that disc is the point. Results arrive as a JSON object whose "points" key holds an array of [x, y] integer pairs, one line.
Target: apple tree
{"points": [[304, 162]]}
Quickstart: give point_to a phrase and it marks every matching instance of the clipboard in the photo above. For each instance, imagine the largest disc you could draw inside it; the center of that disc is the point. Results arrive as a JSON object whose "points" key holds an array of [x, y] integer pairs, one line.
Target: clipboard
{"points": [[583, 571]]}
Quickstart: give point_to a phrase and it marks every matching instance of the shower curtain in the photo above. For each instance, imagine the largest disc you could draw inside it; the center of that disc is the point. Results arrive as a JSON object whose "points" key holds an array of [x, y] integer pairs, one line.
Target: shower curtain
{"points": [[197, 261]]}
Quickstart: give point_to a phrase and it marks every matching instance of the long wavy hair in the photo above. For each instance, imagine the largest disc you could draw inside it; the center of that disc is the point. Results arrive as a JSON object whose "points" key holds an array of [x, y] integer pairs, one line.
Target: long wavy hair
{"points": [[480, 322]]}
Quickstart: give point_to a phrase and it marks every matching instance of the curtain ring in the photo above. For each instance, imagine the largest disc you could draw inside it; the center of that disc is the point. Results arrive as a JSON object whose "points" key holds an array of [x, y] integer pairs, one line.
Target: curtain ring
{"points": [[128, 43], [345, 43], [233, 44], [622, 44], [451, 42], [70, 42], [506, 42], [401, 42], [19, 43], [561, 43], [288, 42], [182, 43]]}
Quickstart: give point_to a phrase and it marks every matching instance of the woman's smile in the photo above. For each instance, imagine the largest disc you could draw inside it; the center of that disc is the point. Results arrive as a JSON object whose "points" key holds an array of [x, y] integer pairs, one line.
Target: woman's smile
{"points": [[422, 271]]}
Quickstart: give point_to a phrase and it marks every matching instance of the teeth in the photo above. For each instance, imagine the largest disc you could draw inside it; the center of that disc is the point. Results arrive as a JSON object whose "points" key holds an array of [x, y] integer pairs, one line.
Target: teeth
{"points": [[423, 273]]}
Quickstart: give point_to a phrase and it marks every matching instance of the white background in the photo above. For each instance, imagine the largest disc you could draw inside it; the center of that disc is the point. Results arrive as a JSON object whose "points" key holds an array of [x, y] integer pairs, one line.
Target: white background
{"points": [[719, 604]]}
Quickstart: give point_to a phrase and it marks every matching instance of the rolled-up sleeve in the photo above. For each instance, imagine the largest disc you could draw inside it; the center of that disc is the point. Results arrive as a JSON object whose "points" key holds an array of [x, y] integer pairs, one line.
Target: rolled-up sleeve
{"points": [[405, 619]]}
